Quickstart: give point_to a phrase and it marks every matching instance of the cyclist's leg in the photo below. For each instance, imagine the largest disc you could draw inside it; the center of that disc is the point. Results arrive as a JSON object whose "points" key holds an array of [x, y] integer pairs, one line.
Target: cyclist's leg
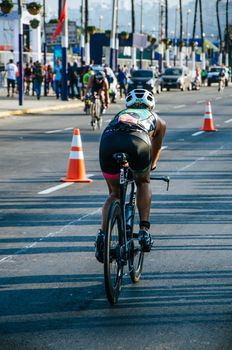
{"points": [[144, 195]]}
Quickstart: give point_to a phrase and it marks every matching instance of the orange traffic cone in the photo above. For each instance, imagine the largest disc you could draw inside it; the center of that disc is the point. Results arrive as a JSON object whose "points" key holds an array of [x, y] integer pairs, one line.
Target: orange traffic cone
{"points": [[76, 165], [208, 118]]}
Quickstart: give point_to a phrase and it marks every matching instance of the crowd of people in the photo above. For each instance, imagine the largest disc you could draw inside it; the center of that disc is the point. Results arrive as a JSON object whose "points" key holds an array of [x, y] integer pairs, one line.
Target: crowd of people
{"points": [[36, 75]]}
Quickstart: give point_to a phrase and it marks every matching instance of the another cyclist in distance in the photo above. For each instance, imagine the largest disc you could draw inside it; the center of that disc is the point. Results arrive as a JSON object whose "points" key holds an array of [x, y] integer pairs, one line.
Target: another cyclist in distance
{"points": [[138, 132], [98, 84]]}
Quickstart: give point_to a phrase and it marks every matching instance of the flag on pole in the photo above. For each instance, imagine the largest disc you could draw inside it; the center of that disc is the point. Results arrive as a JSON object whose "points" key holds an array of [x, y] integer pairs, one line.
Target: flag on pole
{"points": [[61, 22]]}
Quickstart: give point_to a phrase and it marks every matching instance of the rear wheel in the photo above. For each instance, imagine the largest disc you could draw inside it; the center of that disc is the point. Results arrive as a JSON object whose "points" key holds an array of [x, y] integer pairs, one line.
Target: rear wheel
{"points": [[113, 264]]}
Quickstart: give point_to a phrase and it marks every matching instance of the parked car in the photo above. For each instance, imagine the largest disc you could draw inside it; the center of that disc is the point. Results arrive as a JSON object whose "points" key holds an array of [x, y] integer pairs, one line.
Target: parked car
{"points": [[176, 78], [214, 73], [144, 79]]}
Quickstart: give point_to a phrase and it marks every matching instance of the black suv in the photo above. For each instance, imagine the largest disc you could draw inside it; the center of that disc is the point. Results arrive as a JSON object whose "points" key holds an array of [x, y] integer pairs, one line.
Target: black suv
{"points": [[144, 79]]}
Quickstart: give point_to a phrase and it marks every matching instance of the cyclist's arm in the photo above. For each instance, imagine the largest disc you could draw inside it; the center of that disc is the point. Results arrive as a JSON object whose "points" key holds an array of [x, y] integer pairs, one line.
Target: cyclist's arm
{"points": [[156, 141], [106, 91]]}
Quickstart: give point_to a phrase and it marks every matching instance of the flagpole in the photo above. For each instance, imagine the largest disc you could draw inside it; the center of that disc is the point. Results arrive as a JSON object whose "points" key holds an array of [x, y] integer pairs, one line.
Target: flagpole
{"points": [[64, 43]]}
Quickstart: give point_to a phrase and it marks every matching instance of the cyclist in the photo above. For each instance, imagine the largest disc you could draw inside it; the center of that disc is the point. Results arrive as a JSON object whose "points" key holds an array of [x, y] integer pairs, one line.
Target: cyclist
{"points": [[98, 83], [137, 131], [222, 79]]}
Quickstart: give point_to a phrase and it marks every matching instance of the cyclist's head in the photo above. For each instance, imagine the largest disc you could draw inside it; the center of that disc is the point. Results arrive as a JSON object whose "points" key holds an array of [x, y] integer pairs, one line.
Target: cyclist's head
{"points": [[100, 76], [140, 98]]}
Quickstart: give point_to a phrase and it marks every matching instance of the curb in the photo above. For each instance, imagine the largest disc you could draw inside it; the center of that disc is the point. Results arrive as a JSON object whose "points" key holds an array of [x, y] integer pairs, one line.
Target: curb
{"points": [[25, 111]]}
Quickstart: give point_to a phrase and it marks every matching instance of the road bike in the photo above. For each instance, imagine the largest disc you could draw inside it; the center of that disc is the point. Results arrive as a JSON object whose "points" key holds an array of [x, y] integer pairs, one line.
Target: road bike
{"points": [[95, 111], [121, 246], [87, 101], [221, 84]]}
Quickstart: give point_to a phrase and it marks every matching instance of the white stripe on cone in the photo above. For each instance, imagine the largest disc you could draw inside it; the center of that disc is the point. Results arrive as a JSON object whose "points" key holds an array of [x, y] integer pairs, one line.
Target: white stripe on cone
{"points": [[76, 155], [76, 141]]}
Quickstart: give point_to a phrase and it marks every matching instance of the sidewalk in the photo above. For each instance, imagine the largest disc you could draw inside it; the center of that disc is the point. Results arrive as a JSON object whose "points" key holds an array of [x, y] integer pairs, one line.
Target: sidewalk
{"points": [[9, 106]]}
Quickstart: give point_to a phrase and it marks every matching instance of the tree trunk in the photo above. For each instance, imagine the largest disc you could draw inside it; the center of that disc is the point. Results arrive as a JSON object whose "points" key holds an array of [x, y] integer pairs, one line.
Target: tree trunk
{"points": [[132, 16], [86, 20], [195, 21], [166, 19], [219, 26], [181, 25], [201, 25]]}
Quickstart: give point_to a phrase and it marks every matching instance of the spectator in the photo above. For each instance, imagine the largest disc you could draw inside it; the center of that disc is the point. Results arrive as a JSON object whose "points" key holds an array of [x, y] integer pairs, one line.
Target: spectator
{"points": [[11, 70], [38, 79], [58, 78], [122, 81], [27, 78], [48, 78]]}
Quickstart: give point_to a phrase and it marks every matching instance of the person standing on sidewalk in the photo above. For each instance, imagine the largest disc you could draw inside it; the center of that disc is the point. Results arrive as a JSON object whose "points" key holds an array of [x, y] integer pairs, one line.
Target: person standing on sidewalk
{"points": [[11, 71], [58, 78], [38, 79]]}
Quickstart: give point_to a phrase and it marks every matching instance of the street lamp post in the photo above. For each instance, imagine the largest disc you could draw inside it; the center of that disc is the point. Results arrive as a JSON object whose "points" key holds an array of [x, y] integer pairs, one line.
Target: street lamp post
{"points": [[20, 49]]}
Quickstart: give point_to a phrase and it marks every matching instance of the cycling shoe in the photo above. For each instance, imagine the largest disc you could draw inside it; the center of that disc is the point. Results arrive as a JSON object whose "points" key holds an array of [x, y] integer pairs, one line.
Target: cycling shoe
{"points": [[145, 240]]}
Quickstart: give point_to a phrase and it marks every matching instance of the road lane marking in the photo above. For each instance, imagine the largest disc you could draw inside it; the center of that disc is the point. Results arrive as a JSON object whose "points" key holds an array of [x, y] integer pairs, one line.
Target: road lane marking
{"points": [[53, 131], [199, 159], [228, 121], [50, 234], [59, 187], [198, 133], [200, 101], [56, 188], [218, 98], [179, 106], [164, 147], [68, 128]]}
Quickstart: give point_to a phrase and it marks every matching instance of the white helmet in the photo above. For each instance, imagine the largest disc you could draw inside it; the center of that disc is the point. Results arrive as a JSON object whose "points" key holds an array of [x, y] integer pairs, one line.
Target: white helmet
{"points": [[140, 98]]}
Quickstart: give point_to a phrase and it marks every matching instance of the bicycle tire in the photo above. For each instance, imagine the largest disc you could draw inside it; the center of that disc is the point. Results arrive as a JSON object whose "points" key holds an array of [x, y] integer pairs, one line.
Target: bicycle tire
{"points": [[97, 108], [136, 257], [113, 266]]}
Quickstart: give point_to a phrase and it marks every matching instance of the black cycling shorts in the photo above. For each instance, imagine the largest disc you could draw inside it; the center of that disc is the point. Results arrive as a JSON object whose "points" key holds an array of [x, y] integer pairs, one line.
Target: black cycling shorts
{"points": [[136, 144]]}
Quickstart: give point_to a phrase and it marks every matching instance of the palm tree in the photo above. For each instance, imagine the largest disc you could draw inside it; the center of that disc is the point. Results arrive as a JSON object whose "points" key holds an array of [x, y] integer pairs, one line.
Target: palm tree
{"points": [[166, 19], [219, 27], [194, 22], [132, 17], [181, 25], [201, 25], [133, 31]]}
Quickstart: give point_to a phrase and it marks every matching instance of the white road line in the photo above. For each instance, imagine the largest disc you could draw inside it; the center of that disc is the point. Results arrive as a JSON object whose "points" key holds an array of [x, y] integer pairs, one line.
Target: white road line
{"points": [[198, 133], [218, 98], [51, 234], [200, 101], [164, 147], [52, 131], [199, 159], [59, 187], [179, 106], [56, 188], [68, 128], [228, 121]]}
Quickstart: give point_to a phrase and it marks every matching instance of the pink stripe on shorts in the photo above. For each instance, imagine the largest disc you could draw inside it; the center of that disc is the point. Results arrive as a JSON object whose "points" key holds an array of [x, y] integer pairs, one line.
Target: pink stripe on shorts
{"points": [[111, 176]]}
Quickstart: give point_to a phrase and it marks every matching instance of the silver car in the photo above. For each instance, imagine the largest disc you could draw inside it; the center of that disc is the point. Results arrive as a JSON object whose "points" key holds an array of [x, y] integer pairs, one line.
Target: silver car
{"points": [[176, 78]]}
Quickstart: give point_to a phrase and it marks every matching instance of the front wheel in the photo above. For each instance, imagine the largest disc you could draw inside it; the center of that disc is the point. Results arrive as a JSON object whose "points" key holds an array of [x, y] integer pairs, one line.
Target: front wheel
{"points": [[136, 257], [113, 257]]}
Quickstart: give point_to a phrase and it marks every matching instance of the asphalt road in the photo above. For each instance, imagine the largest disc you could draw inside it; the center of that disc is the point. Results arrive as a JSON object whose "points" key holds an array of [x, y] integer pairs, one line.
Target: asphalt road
{"points": [[51, 287]]}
